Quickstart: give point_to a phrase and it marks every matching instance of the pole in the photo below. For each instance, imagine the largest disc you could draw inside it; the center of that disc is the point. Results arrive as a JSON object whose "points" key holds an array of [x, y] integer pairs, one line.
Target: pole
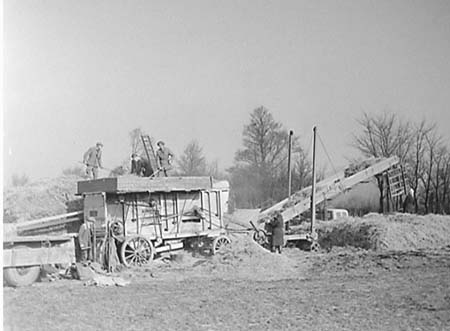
{"points": [[313, 186], [289, 164]]}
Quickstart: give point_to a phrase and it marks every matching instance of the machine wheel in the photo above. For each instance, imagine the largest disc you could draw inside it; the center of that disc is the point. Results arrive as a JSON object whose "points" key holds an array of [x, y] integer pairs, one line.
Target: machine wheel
{"points": [[260, 237], [219, 243], [136, 251], [21, 276]]}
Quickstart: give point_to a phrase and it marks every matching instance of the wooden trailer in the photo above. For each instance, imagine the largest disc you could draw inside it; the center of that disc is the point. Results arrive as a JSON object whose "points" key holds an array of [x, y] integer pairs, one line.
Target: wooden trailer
{"points": [[148, 216], [23, 256]]}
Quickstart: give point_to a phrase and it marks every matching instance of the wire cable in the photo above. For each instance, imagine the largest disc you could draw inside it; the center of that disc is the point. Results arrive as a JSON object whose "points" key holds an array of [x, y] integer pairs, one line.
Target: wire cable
{"points": [[326, 152]]}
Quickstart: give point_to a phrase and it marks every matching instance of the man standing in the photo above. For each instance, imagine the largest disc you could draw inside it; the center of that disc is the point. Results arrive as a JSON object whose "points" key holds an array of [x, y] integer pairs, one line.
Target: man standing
{"points": [[277, 232], [137, 167], [85, 238], [164, 158], [93, 160]]}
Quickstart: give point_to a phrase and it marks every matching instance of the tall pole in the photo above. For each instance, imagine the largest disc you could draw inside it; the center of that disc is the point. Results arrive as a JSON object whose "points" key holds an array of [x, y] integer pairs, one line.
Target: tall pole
{"points": [[289, 164], [313, 186]]}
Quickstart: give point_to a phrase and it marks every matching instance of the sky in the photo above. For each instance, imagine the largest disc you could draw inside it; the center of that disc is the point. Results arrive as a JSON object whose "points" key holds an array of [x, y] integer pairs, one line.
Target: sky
{"points": [[78, 72]]}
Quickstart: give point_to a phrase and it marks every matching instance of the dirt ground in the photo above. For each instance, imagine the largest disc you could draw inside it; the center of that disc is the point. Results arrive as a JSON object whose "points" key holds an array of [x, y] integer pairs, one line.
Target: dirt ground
{"points": [[344, 289]]}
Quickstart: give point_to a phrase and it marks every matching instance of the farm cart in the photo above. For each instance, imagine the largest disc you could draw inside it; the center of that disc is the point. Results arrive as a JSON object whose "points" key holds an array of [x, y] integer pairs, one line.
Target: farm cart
{"points": [[24, 256], [144, 217]]}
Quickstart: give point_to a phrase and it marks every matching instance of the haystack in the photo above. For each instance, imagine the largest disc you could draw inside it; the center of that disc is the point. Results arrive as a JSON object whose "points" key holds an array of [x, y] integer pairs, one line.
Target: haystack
{"points": [[42, 198], [387, 232]]}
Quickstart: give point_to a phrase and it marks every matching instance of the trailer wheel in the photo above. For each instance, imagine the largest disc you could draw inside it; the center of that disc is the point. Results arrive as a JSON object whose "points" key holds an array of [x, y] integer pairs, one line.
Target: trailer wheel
{"points": [[136, 250], [315, 247], [21, 276], [219, 243]]}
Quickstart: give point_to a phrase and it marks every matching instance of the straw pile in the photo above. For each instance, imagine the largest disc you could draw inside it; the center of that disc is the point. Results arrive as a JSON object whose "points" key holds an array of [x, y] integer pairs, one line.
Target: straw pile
{"points": [[243, 258], [42, 198], [391, 232]]}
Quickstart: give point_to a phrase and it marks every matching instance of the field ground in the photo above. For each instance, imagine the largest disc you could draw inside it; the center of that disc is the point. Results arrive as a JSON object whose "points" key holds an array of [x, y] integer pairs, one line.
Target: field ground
{"points": [[345, 289]]}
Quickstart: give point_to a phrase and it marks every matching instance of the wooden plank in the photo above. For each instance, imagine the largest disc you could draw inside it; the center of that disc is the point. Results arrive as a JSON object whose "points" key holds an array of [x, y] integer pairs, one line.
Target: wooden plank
{"points": [[27, 227], [97, 185], [40, 238], [50, 218], [18, 256], [306, 191], [129, 184]]}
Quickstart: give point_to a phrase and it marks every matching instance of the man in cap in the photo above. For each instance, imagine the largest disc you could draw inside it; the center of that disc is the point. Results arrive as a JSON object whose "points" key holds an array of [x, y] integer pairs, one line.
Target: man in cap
{"points": [[93, 160], [164, 158]]}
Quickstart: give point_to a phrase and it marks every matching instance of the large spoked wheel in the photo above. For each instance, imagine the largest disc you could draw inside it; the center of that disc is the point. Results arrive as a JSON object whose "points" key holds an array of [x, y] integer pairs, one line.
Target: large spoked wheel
{"points": [[219, 243], [136, 251]]}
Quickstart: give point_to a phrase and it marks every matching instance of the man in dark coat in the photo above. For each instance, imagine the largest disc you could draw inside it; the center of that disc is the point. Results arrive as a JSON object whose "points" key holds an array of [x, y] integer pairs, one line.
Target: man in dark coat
{"points": [[137, 167], [85, 238], [277, 232], [408, 204]]}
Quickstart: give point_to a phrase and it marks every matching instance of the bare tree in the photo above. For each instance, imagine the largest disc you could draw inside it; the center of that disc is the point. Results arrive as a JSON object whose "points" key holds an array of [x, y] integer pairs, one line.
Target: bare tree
{"points": [[383, 135], [136, 141], [192, 162], [416, 158], [259, 173], [421, 149]]}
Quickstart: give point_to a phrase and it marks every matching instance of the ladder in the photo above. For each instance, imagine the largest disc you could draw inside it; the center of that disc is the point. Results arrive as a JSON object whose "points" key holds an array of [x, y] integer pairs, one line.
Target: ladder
{"points": [[149, 151], [396, 183]]}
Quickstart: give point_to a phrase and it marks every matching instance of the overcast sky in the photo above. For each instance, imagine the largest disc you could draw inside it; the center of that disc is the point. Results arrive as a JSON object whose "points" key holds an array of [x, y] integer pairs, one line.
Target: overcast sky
{"points": [[81, 71]]}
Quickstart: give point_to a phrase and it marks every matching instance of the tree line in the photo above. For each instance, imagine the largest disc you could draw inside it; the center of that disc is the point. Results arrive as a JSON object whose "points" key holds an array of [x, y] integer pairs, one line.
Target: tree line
{"points": [[422, 150], [259, 173]]}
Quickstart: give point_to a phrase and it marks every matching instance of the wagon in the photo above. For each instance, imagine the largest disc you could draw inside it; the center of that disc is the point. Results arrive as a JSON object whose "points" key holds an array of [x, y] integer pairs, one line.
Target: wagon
{"points": [[23, 256], [146, 217]]}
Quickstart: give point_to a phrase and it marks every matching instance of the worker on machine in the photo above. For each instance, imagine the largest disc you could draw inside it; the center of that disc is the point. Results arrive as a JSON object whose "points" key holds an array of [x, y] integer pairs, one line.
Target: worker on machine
{"points": [[93, 160], [137, 165], [164, 158]]}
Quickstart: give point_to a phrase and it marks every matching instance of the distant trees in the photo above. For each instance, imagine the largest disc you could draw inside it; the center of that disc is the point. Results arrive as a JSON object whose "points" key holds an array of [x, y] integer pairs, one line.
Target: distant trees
{"points": [[136, 141], [74, 171], [19, 180], [421, 149], [259, 173], [192, 162]]}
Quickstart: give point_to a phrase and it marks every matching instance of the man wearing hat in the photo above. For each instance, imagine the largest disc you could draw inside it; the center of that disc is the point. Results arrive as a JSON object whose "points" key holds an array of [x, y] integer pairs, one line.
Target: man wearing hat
{"points": [[164, 158], [93, 160]]}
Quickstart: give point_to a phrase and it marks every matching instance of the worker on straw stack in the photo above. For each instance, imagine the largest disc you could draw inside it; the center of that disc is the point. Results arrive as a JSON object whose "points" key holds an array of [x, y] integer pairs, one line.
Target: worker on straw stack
{"points": [[93, 160], [85, 238], [277, 226], [164, 157]]}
